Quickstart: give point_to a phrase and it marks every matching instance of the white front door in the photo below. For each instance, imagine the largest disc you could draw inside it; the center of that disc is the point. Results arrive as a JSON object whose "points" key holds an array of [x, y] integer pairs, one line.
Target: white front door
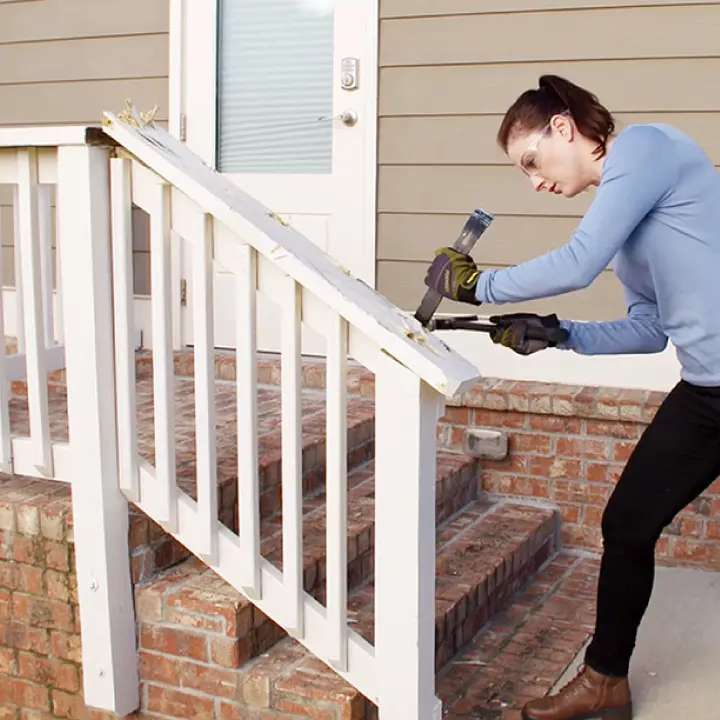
{"points": [[269, 94]]}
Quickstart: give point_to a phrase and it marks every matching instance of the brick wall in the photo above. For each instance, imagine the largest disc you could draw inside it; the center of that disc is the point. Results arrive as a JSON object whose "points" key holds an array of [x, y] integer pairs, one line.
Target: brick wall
{"points": [[39, 623], [568, 445], [194, 630], [40, 658]]}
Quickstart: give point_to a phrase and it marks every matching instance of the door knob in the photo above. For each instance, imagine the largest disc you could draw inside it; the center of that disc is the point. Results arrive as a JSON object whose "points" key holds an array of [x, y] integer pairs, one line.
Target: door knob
{"points": [[349, 117]]}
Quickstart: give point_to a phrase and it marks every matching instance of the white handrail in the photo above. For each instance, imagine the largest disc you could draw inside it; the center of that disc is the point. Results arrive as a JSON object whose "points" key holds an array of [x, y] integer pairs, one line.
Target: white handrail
{"points": [[48, 136], [397, 333]]}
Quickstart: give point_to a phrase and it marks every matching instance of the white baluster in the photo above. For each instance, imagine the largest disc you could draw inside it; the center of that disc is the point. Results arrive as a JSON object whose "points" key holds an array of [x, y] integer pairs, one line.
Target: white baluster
{"points": [[5, 439], [59, 322], [204, 337], [292, 511], [17, 248], [162, 343], [45, 240], [247, 437], [336, 491], [121, 179], [31, 274]]}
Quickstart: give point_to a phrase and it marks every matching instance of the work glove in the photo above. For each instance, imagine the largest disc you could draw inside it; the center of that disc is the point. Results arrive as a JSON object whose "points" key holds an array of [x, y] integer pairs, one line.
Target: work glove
{"points": [[453, 275], [526, 333]]}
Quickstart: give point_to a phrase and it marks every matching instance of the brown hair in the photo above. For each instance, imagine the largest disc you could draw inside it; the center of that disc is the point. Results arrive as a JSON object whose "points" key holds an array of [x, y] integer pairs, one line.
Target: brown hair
{"points": [[554, 95]]}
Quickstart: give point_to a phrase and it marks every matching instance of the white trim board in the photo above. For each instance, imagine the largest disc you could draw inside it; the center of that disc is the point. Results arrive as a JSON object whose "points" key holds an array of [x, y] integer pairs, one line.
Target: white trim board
{"points": [[660, 371]]}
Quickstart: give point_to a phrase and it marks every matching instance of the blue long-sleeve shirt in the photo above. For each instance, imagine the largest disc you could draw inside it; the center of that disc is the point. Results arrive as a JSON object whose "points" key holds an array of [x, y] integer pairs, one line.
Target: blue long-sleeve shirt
{"points": [[655, 219]]}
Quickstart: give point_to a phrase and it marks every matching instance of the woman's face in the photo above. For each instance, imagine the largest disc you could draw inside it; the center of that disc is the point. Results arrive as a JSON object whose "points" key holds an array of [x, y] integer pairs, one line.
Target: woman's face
{"points": [[554, 157]]}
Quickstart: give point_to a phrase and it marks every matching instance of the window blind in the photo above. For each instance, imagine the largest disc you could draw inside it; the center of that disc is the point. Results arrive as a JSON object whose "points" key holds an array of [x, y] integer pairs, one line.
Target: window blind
{"points": [[275, 67]]}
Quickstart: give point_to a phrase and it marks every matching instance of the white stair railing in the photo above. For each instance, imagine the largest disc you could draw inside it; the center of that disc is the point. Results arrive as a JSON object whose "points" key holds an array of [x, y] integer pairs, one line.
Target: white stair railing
{"points": [[414, 371], [31, 322], [70, 328]]}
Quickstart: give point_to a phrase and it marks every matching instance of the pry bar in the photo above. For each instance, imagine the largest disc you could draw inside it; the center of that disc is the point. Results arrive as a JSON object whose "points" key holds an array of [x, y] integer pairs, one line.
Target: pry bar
{"points": [[556, 336]]}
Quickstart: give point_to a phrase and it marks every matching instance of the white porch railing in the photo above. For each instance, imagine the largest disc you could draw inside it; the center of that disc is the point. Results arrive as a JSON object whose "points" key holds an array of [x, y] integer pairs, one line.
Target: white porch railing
{"points": [[34, 162], [99, 174]]}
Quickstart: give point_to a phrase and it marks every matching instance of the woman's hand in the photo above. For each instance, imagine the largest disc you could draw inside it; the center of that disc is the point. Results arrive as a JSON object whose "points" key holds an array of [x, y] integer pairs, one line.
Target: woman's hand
{"points": [[453, 275], [526, 333]]}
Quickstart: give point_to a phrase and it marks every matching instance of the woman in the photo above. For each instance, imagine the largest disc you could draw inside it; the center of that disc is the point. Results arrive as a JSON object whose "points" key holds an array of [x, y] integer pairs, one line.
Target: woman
{"points": [[656, 217]]}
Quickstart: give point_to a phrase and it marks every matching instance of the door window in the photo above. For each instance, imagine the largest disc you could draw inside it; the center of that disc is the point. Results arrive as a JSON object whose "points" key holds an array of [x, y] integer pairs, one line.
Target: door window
{"points": [[275, 83]]}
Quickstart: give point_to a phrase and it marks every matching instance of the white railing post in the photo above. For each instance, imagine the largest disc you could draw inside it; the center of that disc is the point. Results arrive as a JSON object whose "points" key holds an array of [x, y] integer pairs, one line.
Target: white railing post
{"points": [[100, 511], [407, 412]]}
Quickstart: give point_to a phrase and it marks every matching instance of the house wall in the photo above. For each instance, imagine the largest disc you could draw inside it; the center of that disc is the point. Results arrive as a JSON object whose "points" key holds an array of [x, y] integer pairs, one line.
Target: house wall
{"points": [[63, 62], [568, 445], [448, 71]]}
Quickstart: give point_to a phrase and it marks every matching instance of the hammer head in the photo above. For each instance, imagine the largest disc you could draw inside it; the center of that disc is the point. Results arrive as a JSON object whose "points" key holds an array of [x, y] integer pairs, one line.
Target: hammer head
{"points": [[474, 227]]}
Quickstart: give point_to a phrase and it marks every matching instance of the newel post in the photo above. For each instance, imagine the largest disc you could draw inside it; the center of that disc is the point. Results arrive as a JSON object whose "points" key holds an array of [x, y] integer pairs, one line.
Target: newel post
{"points": [[100, 511], [407, 412]]}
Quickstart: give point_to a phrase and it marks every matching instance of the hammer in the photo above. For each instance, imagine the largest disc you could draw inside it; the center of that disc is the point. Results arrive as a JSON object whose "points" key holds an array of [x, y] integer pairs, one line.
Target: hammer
{"points": [[474, 227]]}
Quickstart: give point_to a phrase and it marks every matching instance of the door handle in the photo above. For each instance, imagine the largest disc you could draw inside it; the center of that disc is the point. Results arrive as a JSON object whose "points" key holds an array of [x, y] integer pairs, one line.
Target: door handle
{"points": [[349, 117]]}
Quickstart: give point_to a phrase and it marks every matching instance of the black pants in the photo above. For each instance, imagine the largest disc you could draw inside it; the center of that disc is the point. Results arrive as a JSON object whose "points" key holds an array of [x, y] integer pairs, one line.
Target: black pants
{"points": [[675, 460]]}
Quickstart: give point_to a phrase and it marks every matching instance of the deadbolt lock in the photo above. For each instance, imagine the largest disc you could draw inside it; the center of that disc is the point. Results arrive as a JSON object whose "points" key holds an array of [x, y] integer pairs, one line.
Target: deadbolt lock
{"points": [[349, 73]]}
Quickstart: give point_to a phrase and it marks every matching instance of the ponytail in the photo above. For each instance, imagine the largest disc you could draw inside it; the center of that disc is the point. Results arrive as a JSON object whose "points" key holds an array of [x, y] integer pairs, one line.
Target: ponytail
{"points": [[556, 95]]}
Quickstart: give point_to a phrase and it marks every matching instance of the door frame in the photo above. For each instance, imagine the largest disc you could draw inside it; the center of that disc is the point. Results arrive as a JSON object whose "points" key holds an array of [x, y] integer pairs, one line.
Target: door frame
{"points": [[199, 132]]}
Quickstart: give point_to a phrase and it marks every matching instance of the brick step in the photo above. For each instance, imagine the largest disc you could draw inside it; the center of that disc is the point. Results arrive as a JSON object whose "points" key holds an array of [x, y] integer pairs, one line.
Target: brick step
{"points": [[159, 551], [486, 553], [360, 379], [456, 485], [195, 629], [524, 650]]}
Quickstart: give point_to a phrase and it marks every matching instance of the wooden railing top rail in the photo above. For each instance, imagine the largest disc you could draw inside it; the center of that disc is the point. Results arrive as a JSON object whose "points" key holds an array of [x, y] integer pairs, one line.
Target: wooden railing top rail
{"points": [[397, 333]]}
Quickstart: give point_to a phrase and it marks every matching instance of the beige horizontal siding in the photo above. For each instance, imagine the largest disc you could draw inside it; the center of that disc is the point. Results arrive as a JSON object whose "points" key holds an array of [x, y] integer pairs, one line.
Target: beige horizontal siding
{"points": [[588, 35], [402, 283], [421, 8], [449, 71], [131, 56], [66, 61], [71, 19], [468, 140], [79, 102], [508, 241], [455, 189], [668, 85]]}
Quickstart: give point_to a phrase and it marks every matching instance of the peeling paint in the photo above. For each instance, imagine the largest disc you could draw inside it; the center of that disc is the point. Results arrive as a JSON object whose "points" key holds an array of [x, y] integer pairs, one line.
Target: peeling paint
{"points": [[275, 216], [130, 116], [279, 253], [392, 357]]}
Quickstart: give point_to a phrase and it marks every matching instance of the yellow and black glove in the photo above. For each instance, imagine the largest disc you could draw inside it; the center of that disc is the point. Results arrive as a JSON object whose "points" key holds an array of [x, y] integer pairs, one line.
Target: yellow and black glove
{"points": [[454, 276], [526, 333]]}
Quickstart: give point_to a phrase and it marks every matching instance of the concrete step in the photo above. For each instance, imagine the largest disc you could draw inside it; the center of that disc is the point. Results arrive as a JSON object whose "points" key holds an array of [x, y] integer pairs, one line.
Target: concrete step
{"points": [[192, 624]]}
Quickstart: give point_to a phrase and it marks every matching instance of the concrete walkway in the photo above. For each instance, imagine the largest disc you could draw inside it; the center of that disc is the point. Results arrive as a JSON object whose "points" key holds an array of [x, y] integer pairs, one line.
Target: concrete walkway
{"points": [[675, 673]]}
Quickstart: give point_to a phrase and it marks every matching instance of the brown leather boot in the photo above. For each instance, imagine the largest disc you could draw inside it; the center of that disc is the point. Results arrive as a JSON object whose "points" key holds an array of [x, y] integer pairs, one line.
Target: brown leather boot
{"points": [[588, 696]]}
